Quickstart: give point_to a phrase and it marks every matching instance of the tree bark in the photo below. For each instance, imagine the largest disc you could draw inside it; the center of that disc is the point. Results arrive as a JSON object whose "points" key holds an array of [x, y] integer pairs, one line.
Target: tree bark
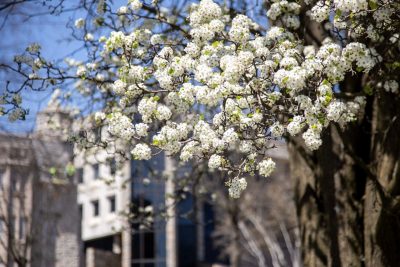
{"points": [[347, 193]]}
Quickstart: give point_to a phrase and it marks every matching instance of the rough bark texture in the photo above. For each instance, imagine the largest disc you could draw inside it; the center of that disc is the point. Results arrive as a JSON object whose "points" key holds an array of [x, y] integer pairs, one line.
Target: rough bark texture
{"points": [[347, 193]]}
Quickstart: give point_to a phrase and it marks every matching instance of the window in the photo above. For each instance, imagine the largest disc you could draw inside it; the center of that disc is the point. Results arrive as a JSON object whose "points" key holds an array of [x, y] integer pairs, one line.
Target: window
{"points": [[111, 200], [96, 209], [96, 171], [113, 167], [143, 239], [148, 243], [80, 212], [79, 173]]}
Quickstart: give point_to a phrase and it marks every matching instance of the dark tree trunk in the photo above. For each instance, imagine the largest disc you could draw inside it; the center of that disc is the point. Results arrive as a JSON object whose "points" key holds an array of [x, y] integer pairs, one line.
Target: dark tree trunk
{"points": [[347, 193]]}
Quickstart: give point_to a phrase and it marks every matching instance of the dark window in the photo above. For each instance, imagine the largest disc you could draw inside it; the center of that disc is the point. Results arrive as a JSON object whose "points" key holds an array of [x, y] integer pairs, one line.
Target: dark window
{"points": [[96, 171], [103, 243], [113, 167], [112, 203], [96, 210], [80, 212], [186, 232], [149, 246], [79, 173], [148, 240], [211, 251], [143, 249]]}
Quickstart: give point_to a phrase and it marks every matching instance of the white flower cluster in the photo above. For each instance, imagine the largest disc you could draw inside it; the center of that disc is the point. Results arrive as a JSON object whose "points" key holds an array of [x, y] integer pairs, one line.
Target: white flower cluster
{"points": [[121, 126], [236, 187], [277, 130], [215, 161], [141, 152], [171, 135], [358, 52], [240, 30], [320, 11], [135, 4], [81, 71], [312, 137], [361, 18], [351, 5], [391, 86], [266, 167], [295, 126], [147, 108], [246, 85], [141, 129], [288, 11], [335, 110]]}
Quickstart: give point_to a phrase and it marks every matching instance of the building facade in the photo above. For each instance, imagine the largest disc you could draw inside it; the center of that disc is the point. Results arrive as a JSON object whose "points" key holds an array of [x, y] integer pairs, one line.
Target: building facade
{"points": [[38, 211], [129, 212]]}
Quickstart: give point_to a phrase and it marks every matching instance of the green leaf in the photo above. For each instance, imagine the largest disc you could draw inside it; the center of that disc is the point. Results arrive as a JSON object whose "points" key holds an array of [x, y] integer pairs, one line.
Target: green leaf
{"points": [[53, 171], [373, 4], [396, 65], [70, 169], [156, 98], [325, 82], [156, 142], [359, 69], [368, 90], [321, 120], [215, 44]]}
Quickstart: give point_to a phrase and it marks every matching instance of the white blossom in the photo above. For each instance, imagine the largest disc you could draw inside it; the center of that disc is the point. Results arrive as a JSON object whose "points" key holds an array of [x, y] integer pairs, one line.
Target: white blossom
{"points": [[391, 86], [141, 152], [266, 167], [79, 23], [135, 4], [237, 186]]}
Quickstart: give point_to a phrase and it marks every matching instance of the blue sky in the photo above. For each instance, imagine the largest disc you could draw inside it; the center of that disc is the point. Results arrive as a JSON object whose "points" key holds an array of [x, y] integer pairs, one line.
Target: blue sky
{"points": [[51, 33]]}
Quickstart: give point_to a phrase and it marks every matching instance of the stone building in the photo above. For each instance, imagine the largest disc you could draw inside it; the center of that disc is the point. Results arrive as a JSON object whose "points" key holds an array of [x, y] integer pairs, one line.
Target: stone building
{"points": [[39, 216]]}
